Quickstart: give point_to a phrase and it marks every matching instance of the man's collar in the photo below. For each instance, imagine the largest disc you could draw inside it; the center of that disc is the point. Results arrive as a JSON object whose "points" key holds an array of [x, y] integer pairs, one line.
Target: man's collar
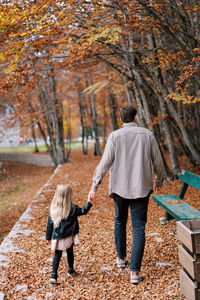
{"points": [[129, 124]]}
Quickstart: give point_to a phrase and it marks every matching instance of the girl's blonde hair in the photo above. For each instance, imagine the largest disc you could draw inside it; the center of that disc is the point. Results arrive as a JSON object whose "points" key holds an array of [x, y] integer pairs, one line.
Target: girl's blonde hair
{"points": [[61, 203]]}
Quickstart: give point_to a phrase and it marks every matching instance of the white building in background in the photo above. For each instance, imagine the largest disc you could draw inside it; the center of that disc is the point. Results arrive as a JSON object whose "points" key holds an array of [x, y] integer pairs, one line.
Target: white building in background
{"points": [[9, 129]]}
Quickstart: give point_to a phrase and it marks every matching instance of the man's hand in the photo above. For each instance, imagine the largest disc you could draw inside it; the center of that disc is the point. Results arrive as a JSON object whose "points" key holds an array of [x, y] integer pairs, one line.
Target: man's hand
{"points": [[91, 196], [156, 189]]}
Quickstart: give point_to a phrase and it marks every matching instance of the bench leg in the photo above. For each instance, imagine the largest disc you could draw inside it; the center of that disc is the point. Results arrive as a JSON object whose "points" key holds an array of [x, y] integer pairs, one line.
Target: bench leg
{"points": [[168, 216]]}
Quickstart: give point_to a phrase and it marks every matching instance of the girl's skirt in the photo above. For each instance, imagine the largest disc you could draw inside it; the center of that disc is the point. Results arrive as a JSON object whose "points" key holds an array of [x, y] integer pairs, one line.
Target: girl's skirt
{"points": [[65, 243]]}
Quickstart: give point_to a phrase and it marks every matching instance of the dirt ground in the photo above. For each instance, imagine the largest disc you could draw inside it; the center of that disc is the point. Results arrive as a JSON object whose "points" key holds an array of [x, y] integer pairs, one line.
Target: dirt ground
{"points": [[19, 183], [97, 276]]}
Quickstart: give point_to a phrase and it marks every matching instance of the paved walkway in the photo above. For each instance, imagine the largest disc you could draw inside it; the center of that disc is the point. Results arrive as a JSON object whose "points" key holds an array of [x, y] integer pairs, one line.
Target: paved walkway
{"points": [[26, 258], [27, 158]]}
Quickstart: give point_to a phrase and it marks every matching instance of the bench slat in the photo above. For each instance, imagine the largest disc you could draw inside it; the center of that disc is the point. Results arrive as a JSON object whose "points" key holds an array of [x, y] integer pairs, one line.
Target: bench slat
{"points": [[190, 178], [180, 211]]}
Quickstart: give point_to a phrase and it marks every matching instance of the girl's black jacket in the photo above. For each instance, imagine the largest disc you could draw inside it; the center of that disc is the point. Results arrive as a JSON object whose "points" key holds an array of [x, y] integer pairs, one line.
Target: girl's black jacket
{"points": [[68, 226]]}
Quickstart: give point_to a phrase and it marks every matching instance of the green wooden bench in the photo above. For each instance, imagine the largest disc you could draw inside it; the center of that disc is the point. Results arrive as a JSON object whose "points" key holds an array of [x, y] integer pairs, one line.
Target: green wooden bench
{"points": [[174, 206]]}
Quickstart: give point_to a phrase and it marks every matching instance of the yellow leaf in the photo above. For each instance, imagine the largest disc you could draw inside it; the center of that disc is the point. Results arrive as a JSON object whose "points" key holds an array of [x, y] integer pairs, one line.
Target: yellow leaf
{"points": [[2, 57], [95, 88]]}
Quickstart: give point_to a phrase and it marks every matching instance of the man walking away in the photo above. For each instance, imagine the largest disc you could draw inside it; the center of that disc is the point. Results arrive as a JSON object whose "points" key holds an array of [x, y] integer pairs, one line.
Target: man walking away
{"points": [[131, 153]]}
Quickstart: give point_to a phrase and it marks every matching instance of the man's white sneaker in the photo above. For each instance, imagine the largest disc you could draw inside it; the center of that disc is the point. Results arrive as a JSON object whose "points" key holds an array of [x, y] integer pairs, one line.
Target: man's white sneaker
{"points": [[121, 263], [136, 277]]}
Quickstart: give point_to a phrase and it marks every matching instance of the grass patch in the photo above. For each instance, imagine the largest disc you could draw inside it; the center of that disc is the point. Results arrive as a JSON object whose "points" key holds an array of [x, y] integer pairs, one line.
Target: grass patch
{"points": [[9, 197], [23, 148], [13, 189], [42, 148], [19, 184]]}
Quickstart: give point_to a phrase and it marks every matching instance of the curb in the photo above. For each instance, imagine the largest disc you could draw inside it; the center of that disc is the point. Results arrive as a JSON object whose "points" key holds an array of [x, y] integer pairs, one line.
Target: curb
{"points": [[34, 159]]}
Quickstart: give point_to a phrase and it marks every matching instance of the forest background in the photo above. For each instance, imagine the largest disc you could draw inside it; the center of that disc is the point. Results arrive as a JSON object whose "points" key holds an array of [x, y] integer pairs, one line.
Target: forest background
{"points": [[65, 63]]}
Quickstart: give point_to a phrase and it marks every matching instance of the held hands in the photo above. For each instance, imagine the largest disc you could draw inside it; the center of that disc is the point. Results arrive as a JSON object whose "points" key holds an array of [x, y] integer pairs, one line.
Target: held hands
{"points": [[156, 189], [91, 196]]}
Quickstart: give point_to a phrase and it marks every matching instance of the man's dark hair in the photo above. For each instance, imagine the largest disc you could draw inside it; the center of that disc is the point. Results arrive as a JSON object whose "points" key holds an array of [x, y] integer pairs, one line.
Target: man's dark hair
{"points": [[127, 114]]}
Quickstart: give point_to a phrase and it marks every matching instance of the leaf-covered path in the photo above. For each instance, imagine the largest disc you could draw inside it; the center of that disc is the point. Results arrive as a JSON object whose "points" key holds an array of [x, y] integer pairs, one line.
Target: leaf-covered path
{"points": [[25, 271]]}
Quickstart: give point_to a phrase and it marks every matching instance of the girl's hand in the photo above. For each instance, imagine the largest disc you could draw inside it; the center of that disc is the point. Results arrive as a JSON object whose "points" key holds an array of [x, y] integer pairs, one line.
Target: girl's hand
{"points": [[91, 196], [49, 241]]}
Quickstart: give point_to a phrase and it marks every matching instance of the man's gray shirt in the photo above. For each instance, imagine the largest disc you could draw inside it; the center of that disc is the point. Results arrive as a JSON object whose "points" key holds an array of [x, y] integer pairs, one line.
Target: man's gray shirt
{"points": [[131, 153]]}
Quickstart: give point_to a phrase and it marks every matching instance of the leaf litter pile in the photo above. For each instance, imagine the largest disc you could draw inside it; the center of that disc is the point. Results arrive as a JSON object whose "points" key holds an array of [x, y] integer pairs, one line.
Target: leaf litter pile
{"points": [[97, 277], [19, 182]]}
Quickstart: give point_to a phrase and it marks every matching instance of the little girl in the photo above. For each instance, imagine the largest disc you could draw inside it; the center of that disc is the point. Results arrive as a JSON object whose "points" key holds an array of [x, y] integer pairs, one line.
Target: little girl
{"points": [[62, 228]]}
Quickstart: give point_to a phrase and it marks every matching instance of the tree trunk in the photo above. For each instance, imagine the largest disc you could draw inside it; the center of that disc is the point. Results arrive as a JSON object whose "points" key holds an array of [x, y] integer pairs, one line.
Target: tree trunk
{"points": [[183, 148], [84, 129], [48, 114], [34, 137], [97, 148], [157, 134], [104, 123], [69, 134], [113, 109], [140, 111], [95, 131], [57, 116], [187, 139], [32, 110], [169, 138], [158, 80]]}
